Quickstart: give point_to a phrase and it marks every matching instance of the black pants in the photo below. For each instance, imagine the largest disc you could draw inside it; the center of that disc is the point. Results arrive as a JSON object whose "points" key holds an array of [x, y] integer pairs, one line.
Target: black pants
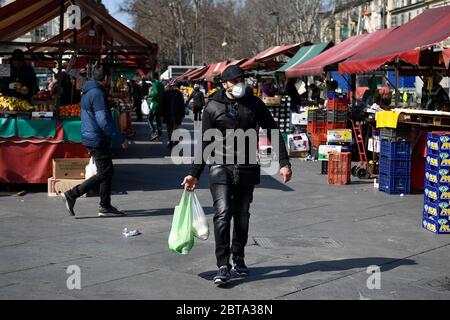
{"points": [[231, 201], [197, 114], [105, 170], [137, 106]]}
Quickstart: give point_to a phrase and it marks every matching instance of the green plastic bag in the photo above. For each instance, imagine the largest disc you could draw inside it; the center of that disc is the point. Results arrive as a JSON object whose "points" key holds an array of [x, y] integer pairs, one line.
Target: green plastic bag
{"points": [[181, 238]]}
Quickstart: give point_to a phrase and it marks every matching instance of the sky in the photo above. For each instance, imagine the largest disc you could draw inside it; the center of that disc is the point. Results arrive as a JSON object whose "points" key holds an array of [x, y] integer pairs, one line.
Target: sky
{"points": [[113, 7]]}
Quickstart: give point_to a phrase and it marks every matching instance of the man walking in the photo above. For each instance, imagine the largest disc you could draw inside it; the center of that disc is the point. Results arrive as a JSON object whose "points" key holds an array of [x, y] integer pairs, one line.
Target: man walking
{"points": [[232, 184], [156, 107], [173, 110], [136, 96], [199, 102], [98, 131]]}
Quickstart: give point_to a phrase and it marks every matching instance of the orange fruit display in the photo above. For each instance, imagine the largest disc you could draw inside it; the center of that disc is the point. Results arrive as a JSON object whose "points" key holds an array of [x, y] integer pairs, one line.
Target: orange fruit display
{"points": [[71, 110]]}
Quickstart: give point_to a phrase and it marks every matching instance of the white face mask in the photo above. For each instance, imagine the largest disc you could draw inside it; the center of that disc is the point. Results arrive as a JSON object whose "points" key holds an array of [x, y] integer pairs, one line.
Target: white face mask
{"points": [[238, 90]]}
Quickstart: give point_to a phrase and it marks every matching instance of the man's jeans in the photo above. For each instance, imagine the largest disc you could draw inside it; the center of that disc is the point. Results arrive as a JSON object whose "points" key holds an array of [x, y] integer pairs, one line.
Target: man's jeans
{"points": [[105, 170], [231, 201]]}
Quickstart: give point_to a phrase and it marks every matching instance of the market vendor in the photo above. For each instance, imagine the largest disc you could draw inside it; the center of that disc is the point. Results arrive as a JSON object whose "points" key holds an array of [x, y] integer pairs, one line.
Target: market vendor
{"points": [[434, 96], [331, 91], [268, 89], [22, 82]]}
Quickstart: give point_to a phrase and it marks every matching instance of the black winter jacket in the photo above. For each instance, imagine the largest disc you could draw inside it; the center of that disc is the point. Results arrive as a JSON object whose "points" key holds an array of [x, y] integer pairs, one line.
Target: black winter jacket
{"points": [[251, 113]]}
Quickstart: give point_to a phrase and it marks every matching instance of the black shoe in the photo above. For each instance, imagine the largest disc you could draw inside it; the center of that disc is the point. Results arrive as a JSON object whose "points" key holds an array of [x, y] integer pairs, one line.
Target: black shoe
{"points": [[223, 276], [239, 267], [110, 212], [69, 202]]}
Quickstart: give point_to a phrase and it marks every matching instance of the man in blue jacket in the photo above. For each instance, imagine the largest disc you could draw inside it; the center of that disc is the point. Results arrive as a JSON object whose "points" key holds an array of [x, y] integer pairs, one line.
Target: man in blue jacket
{"points": [[98, 131]]}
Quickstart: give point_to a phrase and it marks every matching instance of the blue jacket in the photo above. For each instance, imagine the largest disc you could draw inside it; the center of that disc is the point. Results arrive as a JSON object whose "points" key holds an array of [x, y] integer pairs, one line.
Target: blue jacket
{"points": [[97, 126]]}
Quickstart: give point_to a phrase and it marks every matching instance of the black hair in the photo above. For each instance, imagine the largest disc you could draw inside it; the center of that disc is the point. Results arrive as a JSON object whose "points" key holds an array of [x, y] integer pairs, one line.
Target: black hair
{"points": [[333, 85], [155, 76], [100, 72], [18, 55]]}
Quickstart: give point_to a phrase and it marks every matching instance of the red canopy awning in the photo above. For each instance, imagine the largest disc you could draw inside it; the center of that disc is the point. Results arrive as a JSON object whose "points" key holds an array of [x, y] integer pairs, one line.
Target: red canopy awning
{"points": [[184, 75], [269, 54], [336, 54], [446, 55], [404, 42], [215, 70], [197, 75], [22, 16]]}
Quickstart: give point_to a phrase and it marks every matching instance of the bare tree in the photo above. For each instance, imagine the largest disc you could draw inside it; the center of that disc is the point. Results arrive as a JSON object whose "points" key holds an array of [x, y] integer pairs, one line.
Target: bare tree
{"points": [[247, 26]]}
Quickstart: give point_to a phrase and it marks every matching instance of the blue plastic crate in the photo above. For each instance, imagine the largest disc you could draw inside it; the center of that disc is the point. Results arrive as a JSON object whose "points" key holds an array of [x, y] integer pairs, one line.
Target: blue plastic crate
{"points": [[436, 209], [435, 162], [438, 177], [396, 167], [397, 150], [439, 227], [394, 184], [438, 141], [437, 194]]}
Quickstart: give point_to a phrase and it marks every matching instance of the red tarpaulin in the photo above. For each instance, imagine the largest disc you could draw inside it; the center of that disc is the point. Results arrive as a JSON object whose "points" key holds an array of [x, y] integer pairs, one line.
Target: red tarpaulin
{"points": [[404, 42], [35, 154], [271, 53], [336, 54]]}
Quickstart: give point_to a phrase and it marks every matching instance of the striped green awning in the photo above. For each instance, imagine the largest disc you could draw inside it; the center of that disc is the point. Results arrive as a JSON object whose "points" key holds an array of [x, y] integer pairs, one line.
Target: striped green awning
{"points": [[304, 54]]}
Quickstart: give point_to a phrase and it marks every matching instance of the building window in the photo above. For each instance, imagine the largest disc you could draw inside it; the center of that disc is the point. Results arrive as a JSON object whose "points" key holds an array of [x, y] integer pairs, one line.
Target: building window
{"points": [[394, 21]]}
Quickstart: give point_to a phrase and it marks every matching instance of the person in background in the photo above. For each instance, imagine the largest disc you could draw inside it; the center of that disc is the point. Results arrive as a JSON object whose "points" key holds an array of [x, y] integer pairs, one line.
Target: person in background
{"points": [[22, 82], [136, 96], [267, 88], [156, 96], [173, 109], [331, 91], [292, 92], [315, 94], [199, 102], [434, 96], [98, 131]]}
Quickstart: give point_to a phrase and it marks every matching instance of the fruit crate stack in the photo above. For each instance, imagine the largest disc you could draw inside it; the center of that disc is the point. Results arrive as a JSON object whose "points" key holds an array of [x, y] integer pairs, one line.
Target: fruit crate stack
{"points": [[437, 184], [395, 166], [339, 168], [317, 126], [337, 113]]}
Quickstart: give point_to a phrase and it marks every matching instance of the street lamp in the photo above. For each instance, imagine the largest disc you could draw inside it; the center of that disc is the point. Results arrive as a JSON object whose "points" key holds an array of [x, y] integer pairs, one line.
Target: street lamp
{"points": [[224, 44]]}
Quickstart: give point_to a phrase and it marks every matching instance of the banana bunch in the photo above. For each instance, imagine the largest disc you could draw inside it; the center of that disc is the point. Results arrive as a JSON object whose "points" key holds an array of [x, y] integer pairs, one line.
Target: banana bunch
{"points": [[14, 104]]}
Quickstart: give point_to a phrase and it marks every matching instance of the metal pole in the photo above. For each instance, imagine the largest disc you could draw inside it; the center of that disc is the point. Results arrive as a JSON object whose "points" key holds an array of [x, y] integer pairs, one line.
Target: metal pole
{"points": [[278, 28], [397, 94], [61, 40], [179, 44]]}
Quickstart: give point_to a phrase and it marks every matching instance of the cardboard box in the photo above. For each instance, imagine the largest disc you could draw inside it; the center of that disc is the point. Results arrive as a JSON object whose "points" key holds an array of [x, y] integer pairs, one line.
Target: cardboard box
{"points": [[69, 168], [297, 145], [325, 149], [343, 135], [274, 101], [300, 118], [374, 145], [58, 186]]}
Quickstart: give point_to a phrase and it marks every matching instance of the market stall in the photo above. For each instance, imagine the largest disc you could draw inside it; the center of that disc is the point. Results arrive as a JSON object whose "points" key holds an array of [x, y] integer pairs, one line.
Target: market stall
{"points": [[41, 128], [421, 55]]}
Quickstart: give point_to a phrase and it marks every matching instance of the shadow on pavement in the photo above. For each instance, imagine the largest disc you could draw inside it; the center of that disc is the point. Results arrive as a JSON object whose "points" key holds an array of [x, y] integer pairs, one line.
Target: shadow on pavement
{"points": [[275, 272], [146, 213]]}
